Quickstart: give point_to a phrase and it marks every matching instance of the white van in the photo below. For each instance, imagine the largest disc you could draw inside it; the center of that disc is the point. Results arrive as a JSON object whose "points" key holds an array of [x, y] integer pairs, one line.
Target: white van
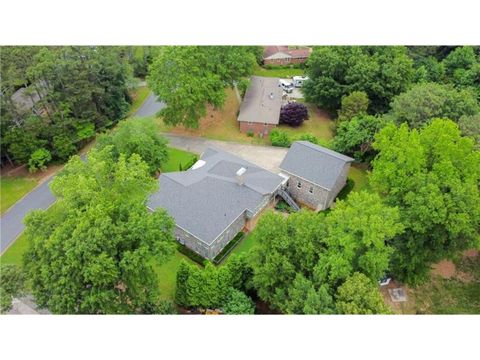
{"points": [[298, 80], [287, 86]]}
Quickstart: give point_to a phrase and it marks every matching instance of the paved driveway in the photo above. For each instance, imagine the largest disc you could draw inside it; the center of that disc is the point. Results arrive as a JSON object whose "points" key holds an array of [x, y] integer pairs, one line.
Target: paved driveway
{"points": [[150, 106], [268, 157]]}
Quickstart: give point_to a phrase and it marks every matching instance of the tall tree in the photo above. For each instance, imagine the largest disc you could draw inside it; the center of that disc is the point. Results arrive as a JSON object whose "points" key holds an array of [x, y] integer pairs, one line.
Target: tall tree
{"points": [[139, 136], [93, 251], [432, 176], [358, 230], [426, 101], [353, 104], [187, 78], [360, 295], [336, 71], [355, 136]]}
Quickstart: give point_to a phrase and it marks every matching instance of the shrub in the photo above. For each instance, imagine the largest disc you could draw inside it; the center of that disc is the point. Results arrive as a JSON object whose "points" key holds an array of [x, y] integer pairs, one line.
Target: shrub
{"points": [[39, 159], [192, 255], [293, 114], [250, 133], [280, 138], [166, 307], [12, 285], [356, 103], [308, 137], [283, 207], [238, 303], [63, 146]]}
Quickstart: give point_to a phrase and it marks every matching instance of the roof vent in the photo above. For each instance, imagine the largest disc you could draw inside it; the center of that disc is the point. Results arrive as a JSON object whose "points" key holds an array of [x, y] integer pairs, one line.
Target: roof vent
{"points": [[271, 96], [240, 177]]}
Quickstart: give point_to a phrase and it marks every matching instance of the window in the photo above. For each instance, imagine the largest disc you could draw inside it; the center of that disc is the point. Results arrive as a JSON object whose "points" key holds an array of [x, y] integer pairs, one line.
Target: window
{"points": [[299, 184], [288, 183], [310, 190]]}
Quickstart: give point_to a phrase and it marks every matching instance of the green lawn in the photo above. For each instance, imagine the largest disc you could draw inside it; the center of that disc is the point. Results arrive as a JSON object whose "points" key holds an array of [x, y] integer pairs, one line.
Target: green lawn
{"points": [[167, 275], [138, 96], [13, 189], [359, 175], [177, 157], [281, 72], [14, 253]]}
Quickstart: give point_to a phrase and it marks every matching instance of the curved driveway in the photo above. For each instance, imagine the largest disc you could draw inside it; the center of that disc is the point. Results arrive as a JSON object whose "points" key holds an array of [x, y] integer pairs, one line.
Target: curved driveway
{"points": [[268, 157]]}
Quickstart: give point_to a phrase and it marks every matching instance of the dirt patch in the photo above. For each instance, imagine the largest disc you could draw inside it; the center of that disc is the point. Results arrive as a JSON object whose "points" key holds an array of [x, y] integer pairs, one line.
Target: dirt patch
{"points": [[471, 254], [445, 269], [464, 277]]}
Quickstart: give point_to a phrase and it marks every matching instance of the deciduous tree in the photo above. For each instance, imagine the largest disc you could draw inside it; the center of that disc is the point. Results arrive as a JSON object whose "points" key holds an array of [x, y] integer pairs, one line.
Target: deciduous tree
{"points": [[93, 251], [432, 176], [360, 295]]}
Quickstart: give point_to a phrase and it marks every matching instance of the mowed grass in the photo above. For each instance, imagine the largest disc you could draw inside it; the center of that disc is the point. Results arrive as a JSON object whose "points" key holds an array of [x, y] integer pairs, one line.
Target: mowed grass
{"points": [[13, 189], [222, 124], [319, 124], [14, 254], [283, 72], [138, 97], [359, 175], [176, 158]]}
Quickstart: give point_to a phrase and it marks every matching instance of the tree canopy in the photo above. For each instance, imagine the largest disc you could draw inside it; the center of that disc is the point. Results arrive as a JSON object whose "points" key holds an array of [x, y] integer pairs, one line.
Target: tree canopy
{"points": [[293, 114], [92, 253], [335, 71], [187, 78], [426, 101], [360, 295], [138, 136], [353, 104], [432, 176], [68, 93], [355, 136]]}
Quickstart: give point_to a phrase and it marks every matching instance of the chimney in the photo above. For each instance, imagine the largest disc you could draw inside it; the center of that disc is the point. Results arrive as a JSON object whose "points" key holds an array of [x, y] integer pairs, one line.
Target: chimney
{"points": [[240, 177]]}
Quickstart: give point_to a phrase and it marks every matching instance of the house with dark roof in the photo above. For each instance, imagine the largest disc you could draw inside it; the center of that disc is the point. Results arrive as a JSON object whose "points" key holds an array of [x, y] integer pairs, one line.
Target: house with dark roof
{"points": [[220, 195], [260, 108], [285, 55], [315, 174]]}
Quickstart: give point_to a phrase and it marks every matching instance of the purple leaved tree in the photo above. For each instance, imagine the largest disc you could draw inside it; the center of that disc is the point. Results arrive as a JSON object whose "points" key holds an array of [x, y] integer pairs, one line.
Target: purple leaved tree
{"points": [[293, 114]]}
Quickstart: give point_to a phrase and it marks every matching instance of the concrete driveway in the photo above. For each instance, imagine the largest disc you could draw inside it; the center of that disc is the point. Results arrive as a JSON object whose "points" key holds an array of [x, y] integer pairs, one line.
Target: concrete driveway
{"points": [[268, 157]]}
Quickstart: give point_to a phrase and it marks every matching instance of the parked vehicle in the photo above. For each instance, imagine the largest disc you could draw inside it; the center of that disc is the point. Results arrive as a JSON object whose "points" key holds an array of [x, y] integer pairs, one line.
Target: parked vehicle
{"points": [[287, 86], [298, 80]]}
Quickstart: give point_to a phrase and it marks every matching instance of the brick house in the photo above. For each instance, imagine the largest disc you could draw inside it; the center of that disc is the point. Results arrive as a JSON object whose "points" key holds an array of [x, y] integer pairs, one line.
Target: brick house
{"points": [[260, 109], [315, 174], [283, 55]]}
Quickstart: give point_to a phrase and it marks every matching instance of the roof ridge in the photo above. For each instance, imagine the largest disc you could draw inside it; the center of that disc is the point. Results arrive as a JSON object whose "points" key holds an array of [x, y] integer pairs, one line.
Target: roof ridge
{"points": [[324, 150]]}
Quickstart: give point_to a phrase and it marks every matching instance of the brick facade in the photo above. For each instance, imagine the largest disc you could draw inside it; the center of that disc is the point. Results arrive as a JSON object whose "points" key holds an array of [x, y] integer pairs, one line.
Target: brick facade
{"points": [[285, 61], [256, 128]]}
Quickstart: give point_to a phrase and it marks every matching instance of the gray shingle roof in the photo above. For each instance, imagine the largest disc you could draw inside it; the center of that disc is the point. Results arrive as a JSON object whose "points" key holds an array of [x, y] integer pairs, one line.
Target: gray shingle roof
{"points": [[314, 163], [262, 101], [206, 200]]}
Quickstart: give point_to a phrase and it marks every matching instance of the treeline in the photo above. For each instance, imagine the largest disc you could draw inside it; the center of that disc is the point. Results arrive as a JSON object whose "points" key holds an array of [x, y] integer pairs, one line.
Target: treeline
{"points": [[366, 88], [56, 98]]}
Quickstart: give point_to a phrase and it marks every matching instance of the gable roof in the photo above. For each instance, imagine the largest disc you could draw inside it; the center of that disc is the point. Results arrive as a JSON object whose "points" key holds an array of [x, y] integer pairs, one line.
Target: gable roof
{"points": [[272, 49], [279, 55], [262, 101], [206, 200], [283, 52], [314, 163]]}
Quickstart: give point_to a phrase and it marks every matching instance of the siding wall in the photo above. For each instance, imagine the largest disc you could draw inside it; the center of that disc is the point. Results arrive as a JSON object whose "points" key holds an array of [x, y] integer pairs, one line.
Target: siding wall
{"points": [[191, 242], [226, 237]]}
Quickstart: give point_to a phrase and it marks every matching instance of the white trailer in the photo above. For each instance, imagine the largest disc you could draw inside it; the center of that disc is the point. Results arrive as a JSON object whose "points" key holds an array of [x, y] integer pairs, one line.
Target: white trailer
{"points": [[298, 80]]}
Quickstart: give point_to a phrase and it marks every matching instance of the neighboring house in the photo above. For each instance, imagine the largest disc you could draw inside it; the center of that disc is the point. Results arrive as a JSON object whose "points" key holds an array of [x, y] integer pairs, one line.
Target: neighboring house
{"points": [[316, 174], [284, 55], [260, 108], [25, 99], [220, 195]]}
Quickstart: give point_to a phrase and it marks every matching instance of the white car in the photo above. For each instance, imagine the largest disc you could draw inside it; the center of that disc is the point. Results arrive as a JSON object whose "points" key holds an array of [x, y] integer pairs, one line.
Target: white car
{"points": [[286, 86]]}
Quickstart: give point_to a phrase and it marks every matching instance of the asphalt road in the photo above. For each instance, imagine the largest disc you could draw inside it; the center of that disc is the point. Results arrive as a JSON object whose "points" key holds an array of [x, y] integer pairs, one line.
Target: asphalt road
{"points": [[150, 106], [11, 223]]}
